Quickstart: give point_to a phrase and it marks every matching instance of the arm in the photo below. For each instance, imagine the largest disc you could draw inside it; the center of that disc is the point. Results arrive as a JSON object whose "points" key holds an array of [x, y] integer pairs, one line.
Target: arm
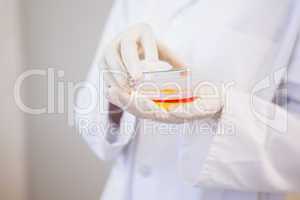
{"points": [[251, 152], [258, 156], [103, 126]]}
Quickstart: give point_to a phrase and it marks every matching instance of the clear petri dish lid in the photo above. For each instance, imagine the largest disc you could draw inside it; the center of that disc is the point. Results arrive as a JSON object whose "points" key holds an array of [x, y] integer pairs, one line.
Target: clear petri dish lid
{"points": [[171, 75], [168, 84], [154, 67]]}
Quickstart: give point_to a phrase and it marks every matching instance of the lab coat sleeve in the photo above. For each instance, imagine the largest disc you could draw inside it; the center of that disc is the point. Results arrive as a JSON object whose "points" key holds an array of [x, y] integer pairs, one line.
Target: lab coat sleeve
{"points": [[259, 153], [105, 138], [255, 148]]}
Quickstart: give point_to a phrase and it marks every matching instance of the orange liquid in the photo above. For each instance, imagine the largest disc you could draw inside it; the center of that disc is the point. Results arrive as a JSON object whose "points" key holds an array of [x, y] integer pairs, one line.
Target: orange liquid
{"points": [[172, 103]]}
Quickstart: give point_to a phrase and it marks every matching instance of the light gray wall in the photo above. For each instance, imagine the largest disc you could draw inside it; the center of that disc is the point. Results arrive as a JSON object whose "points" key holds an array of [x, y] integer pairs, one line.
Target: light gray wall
{"points": [[62, 34], [12, 134]]}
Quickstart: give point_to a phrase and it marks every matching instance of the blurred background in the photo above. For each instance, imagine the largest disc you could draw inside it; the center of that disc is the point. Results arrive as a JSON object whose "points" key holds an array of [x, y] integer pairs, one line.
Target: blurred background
{"points": [[41, 157]]}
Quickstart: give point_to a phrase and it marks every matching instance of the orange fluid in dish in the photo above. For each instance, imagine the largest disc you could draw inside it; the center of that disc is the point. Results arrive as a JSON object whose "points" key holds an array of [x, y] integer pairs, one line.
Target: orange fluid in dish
{"points": [[168, 104], [167, 89], [170, 98]]}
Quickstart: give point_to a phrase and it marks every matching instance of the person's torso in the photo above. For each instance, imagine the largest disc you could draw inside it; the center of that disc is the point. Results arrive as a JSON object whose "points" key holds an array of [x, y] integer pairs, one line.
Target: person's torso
{"points": [[148, 167]]}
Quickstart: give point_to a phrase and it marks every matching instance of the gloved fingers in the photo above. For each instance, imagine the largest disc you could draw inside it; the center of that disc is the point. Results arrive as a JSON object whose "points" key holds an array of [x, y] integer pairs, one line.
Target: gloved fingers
{"points": [[130, 55], [199, 109], [167, 55], [148, 44], [128, 101], [109, 79], [114, 69], [144, 37], [140, 106], [146, 108], [184, 112], [207, 105], [138, 38]]}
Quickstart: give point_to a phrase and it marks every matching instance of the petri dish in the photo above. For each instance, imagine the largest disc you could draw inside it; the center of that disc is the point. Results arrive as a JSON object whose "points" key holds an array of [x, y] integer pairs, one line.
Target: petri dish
{"points": [[167, 89]]}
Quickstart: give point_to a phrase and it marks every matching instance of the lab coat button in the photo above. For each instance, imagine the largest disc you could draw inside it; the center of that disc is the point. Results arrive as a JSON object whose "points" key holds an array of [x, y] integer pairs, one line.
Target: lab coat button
{"points": [[145, 170]]}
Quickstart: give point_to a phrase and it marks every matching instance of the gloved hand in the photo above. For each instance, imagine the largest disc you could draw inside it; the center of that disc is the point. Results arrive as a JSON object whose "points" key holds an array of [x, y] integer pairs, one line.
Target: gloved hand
{"points": [[125, 60], [209, 104], [140, 106], [131, 53]]}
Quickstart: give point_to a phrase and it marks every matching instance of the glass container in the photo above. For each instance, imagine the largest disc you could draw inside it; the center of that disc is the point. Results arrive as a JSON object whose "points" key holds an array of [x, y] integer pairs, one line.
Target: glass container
{"points": [[168, 88]]}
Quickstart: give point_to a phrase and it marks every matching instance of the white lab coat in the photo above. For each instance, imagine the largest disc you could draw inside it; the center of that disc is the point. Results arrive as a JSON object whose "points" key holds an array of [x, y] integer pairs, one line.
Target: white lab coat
{"points": [[256, 157]]}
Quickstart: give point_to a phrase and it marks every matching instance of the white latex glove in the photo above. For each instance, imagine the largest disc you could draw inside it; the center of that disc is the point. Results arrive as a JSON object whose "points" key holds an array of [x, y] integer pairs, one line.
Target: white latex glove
{"points": [[140, 106], [209, 104], [126, 58]]}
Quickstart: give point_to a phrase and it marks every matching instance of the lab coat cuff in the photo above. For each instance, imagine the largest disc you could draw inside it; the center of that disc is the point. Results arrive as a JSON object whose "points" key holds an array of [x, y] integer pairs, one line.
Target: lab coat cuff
{"points": [[223, 142], [209, 176], [204, 157], [105, 138], [108, 143], [233, 146]]}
